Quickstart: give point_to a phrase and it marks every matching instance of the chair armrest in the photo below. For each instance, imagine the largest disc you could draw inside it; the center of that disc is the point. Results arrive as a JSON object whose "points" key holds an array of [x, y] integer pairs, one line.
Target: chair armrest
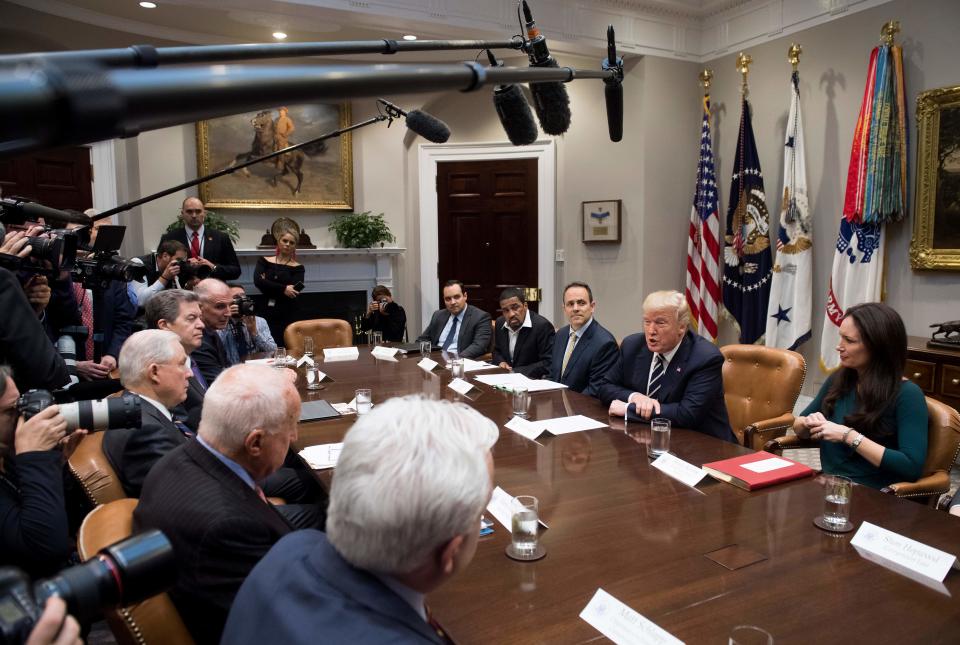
{"points": [[934, 484], [777, 445], [757, 434]]}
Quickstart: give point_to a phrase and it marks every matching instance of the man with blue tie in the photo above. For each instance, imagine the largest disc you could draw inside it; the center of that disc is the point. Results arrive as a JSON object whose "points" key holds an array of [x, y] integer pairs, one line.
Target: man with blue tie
{"points": [[669, 372], [583, 351], [459, 327]]}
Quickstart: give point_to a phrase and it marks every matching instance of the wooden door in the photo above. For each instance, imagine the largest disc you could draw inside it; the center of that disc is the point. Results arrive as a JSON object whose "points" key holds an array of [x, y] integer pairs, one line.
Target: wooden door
{"points": [[58, 178], [487, 227]]}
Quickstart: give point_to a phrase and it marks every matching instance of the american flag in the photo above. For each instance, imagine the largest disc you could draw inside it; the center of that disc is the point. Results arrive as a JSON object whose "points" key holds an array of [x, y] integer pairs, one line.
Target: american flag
{"points": [[703, 248]]}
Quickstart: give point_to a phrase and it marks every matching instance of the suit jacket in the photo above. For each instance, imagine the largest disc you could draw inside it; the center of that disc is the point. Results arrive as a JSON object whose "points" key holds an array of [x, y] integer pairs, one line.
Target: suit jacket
{"points": [[113, 313], [303, 592], [691, 390], [593, 355], [217, 248], [211, 356], [473, 338], [218, 526], [533, 351], [133, 451], [188, 412]]}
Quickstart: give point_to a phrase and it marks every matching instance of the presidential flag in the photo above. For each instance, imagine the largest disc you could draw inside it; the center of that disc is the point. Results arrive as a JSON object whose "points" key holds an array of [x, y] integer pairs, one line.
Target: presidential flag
{"points": [[703, 247], [747, 259], [791, 287], [876, 194]]}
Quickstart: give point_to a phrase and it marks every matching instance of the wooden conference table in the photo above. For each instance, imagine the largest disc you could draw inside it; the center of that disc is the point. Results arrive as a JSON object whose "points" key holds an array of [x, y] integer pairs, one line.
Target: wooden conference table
{"points": [[617, 523]]}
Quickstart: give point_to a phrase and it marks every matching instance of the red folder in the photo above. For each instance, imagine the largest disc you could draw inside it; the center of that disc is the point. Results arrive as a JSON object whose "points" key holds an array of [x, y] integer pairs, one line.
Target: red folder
{"points": [[733, 472]]}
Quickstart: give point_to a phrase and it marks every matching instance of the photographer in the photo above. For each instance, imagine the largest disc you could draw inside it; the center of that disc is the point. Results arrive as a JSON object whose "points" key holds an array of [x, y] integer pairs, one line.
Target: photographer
{"points": [[245, 333], [163, 267], [385, 316], [34, 532]]}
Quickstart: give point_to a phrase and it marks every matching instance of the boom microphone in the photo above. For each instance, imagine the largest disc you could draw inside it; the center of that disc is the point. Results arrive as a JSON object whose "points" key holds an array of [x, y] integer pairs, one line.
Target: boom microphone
{"points": [[426, 125], [513, 110], [550, 100], [613, 88], [17, 210]]}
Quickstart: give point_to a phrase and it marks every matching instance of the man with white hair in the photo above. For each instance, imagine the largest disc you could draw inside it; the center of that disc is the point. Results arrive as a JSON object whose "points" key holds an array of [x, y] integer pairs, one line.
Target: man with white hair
{"points": [[153, 366], [667, 371], [215, 301], [206, 496], [411, 482]]}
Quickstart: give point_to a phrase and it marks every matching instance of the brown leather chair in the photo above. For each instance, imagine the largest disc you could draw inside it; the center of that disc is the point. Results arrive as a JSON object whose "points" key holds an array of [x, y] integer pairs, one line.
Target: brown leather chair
{"points": [[326, 332], [155, 620], [760, 387], [943, 445], [91, 468]]}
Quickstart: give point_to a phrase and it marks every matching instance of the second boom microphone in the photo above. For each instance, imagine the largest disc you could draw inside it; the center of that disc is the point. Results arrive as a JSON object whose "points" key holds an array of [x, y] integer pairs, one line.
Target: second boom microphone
{"points": [[550, 99]]}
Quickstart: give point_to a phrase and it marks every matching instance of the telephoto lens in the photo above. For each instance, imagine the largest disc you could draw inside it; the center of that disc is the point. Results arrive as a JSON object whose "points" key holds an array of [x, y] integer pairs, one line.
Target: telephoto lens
{"points": [[102, 414]]}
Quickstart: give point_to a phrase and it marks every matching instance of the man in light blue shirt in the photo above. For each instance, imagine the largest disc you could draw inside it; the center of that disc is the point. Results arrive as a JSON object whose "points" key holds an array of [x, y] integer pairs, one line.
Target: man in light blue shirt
{"points": [[244, 335]]}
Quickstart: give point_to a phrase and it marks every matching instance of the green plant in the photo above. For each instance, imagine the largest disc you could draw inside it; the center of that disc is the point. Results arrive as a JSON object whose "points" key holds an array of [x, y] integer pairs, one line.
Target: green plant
{"points": [[361, 230], [215, 222]]}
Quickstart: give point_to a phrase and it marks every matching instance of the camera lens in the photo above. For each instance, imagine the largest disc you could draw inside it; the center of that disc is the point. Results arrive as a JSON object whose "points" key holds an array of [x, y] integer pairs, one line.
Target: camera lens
{"points": [[103, 414]]}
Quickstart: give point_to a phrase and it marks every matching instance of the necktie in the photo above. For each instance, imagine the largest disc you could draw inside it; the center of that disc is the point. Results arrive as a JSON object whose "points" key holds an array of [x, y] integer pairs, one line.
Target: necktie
{"points": [[195, 246], [86, 317], [435, 625], [260, 494], [654, 385], [184, 430], [569, 352], [198, 375], [451, 335]]}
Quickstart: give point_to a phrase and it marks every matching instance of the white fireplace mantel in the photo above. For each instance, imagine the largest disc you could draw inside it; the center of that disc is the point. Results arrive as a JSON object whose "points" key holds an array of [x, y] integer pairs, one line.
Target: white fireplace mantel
{"points": [[331, 269]]}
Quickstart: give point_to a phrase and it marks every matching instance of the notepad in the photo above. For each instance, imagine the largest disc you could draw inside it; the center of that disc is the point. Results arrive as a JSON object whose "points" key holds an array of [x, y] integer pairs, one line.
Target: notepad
{"points": [[322, 456]]}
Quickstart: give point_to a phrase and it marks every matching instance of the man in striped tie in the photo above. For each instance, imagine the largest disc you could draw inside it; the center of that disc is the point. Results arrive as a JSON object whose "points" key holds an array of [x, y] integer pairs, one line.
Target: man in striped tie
{"points": [[669, 372]]}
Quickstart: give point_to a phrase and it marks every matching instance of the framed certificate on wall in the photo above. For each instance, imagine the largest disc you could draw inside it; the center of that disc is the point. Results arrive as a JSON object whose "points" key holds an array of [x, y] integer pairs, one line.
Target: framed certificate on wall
{"points": [[601, 222]]}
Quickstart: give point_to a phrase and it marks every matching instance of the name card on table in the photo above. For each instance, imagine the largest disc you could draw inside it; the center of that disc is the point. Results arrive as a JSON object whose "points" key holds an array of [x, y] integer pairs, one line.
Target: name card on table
{"points": [[322, 456], [501, 507], [623, 625], [341, 353], [427, 364], [907, 557], [384, 352], [305, 360], [527, 429], [679, 469], [460, 386]]}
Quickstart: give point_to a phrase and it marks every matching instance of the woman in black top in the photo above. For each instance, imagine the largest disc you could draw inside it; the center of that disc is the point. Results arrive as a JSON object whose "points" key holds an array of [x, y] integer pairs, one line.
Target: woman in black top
{"points": [[275, 277]]}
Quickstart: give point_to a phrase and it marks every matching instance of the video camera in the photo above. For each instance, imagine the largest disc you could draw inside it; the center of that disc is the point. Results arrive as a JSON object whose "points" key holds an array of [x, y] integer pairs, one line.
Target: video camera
{"points": [[127, 572], [104, 414], [245, 306], [189, 271], [104, 264]]}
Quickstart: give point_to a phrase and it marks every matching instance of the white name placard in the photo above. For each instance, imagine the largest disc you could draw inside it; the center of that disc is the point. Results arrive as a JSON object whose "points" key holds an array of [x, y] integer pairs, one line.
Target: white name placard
{"points": [[427, 364], [460, 386], [623, 625], [903, 552], [679, 469], [341, 353], [384, 352], [305, 360]]}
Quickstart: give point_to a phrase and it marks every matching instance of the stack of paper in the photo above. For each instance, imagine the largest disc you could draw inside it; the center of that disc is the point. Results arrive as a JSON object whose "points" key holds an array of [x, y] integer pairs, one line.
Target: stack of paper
{"points": [[561, 425], [514, 379], [322, 456]]}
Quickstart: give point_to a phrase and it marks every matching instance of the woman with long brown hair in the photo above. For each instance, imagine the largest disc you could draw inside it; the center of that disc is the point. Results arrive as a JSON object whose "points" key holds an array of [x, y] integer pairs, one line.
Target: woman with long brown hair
{"points": [[871, 423]]}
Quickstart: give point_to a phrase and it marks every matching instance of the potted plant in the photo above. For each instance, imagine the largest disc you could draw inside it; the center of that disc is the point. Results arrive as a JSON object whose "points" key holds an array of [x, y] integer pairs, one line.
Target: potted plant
{"points": [[214, 222], [361, 230]]}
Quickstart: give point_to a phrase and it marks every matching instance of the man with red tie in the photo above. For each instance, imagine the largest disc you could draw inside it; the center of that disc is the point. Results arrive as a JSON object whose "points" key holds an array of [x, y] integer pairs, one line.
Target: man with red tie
{"points": [[205, 246]]}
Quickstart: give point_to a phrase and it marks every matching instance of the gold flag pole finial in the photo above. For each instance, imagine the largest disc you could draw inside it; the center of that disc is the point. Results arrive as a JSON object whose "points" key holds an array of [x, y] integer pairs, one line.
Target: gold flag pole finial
{"points": [[705, 77], [889, 30], [793, 55], [743, 66]]}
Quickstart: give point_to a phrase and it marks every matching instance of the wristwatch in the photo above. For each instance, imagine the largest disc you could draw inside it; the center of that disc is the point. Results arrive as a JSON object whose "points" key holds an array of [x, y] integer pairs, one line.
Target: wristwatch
{"points": [[856, 442]]}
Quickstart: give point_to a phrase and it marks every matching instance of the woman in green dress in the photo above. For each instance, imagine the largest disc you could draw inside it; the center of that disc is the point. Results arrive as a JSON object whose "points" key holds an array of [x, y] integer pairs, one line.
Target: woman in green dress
{"points": [[871, 423]]}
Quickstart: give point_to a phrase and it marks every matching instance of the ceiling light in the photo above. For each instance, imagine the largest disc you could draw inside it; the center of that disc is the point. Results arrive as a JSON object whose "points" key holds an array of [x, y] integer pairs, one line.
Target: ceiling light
{"points": [[409, 37], [279, 35], [148, 5]]}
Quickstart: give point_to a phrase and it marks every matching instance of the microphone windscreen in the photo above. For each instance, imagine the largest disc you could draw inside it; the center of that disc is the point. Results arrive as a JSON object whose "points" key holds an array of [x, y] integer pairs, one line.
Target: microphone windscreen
{"points": [[552, 104], [515, 115], [428, 126], [613, 93]]}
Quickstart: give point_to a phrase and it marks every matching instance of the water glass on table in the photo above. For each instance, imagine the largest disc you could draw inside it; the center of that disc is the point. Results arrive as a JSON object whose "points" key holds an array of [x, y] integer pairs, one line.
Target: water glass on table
{"points": [[521, 401], [524, 524], [659, 437], [456, 368], [313, 378], [749, 635], [308, 346], [377, 338], [280, 358], [836, 501], [425, 348], [363, 400]]}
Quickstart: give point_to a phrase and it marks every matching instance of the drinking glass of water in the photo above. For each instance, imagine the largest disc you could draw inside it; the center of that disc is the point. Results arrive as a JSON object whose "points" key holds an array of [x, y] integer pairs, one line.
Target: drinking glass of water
{"points": [[377, 338], [836, 501], [521, 401], [749, 635], [524, 523], [280, 358], [659, 437], [313, 378], [364, 400], [425, 347], [456, 368], [308, 346]]}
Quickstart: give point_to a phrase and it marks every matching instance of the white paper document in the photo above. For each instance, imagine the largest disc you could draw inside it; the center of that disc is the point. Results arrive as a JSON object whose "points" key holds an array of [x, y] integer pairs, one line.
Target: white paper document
{"points": [[623, 625], [341, 353], [460, 386], [305, 360], [476, 366], [322, 456], [514, 379], [766, 465], [679, 469], [900, 552], [427, 364], [384, 352], [501, 507], [345, 408], [561, 425]]}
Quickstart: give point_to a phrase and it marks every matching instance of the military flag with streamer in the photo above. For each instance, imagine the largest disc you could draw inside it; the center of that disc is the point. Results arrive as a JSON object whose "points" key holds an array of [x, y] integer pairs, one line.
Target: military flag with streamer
{"points": [[791, 288], [876, 194], [703, 246], [747, 258]]}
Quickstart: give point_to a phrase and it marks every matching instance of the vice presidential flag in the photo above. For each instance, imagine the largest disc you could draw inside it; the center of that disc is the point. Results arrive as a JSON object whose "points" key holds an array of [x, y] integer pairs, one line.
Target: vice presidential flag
{"points": [[703, 247], [747, 258], [788, 314]]}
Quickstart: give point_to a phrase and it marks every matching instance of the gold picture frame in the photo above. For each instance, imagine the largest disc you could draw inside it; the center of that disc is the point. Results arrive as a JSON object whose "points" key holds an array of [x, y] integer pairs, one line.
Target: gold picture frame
{"points": [[936, 227], [325, 169]]}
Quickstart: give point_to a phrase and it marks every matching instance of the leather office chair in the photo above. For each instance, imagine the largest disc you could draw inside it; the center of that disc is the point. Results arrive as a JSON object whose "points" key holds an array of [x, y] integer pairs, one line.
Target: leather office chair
{"points": [[155, 620], [326, 332], [943, 445], [92, 469], [760, 387]]}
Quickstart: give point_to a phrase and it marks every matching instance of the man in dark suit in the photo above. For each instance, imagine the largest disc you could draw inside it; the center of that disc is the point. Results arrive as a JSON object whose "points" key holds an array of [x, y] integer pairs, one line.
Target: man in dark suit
{"points": [[215, 301], [524, 338], [583, 351], [205, 246], [205, 495], [364, 581], [668, 371], [153, 366], [459, 327]]}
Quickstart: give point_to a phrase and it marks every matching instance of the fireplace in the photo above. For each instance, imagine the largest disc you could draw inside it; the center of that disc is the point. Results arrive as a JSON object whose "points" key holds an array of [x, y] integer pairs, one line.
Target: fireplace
{"points": [[345, 305]]}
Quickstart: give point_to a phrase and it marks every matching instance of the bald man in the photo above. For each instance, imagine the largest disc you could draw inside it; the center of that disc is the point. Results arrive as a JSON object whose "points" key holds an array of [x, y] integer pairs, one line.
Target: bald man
{"points": [[205, 246]]}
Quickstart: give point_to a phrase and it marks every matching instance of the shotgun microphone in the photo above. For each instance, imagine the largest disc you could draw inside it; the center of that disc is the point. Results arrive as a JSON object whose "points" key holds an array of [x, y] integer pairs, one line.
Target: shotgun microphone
{"points": [[426, 125], [513, 110], [550, 100], [613, 88]]}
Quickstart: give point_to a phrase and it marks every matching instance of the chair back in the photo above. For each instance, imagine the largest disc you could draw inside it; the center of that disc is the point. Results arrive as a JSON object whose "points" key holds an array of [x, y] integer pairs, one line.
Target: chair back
{"points": [[760, 383], [155, 620], [92, 469], [326, 332], [943, 437]]}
